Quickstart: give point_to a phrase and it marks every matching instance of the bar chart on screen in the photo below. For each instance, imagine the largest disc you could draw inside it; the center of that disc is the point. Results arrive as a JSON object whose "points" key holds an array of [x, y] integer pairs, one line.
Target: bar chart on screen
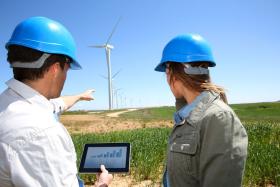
{"points": [[111, 157], [113, 154]]}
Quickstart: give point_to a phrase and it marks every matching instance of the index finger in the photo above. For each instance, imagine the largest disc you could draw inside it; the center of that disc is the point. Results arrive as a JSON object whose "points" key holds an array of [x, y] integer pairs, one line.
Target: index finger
{"points": [[103, 169]]}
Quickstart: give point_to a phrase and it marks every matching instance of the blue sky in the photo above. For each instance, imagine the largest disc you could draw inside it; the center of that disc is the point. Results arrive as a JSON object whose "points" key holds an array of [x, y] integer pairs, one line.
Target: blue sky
{"points": [[244, 35]]}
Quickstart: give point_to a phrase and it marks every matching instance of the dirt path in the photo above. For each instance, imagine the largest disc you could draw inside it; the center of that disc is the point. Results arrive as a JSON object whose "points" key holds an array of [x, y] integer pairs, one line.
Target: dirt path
{"points": [[116, 114]]}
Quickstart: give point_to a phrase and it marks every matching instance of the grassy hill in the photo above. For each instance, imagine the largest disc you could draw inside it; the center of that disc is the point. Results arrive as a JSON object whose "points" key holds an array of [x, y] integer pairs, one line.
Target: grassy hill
{"points": [[148, 114], [258, 111], [250, 112]]}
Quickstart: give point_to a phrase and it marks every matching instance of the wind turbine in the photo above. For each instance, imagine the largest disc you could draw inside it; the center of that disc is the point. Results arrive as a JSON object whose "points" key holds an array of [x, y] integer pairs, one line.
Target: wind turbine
{"points": [[108, 48], [116, 92], [112, 86]]}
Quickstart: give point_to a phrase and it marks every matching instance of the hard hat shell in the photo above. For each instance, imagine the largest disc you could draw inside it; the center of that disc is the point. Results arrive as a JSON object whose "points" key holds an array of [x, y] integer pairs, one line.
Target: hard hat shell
{"points": [[185, 49], [45, 35]]}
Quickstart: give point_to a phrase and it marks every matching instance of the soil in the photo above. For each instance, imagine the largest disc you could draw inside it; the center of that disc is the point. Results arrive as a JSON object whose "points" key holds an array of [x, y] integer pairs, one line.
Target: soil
{"points": [[101, 123]]}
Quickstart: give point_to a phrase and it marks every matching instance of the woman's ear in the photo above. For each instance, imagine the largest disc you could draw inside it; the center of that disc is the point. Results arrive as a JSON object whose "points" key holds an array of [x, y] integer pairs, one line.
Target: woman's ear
{"points": [[173, 80]]}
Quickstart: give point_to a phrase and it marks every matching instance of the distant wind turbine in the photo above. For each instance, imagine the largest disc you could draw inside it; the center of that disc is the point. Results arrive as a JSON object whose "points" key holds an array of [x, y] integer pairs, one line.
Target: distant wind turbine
{"points": [[113, 89], [108, 48]]}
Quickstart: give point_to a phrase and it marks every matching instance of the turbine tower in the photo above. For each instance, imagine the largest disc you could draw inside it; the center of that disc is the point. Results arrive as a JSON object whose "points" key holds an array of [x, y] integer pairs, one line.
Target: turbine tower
{"points": [[108, 48]]}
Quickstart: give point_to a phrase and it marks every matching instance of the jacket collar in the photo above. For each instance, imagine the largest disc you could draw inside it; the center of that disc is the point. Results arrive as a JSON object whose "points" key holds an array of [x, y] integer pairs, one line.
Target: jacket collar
{"points": [[197, 113], [181, 115], [194, 111]]}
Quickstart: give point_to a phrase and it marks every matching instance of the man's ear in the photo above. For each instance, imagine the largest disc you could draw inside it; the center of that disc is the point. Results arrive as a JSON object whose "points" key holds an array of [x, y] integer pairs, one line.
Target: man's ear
{"points": [[54, 69]]}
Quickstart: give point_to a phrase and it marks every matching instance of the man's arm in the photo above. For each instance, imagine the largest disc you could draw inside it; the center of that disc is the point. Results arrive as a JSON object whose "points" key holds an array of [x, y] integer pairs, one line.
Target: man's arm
{"points": [[40, 159], [72, 99], [63, 103]]}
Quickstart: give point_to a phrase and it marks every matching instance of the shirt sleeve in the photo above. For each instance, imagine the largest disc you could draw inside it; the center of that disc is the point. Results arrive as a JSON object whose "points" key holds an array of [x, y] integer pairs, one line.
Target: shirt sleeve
{"points": [[223, 151], [58, 105], [4, 166], [40, 161]]}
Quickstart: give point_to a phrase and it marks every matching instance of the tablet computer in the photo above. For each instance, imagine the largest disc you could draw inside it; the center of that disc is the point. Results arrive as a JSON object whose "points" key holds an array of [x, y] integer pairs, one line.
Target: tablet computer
{"points": [[114, 156]]}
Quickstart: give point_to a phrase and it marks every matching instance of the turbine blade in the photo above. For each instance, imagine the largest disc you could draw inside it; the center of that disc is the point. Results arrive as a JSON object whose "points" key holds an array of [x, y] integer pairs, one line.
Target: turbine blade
{"points": [[103, 76], [97, 46], [116, 74], [114, 29]]}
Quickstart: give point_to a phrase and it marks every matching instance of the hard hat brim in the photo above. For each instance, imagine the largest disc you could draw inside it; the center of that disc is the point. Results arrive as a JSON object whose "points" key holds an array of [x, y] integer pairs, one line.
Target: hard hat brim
{"points": [[162, 65], [74, 65]]}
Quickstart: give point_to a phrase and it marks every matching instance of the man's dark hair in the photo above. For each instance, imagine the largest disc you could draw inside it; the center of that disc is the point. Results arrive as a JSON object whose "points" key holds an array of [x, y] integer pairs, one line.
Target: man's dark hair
{"points": [[18, 53]]}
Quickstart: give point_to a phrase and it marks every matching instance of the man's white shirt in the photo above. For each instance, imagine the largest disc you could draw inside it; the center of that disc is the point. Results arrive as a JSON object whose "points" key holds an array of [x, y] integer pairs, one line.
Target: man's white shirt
{"points": [[35, 149]]}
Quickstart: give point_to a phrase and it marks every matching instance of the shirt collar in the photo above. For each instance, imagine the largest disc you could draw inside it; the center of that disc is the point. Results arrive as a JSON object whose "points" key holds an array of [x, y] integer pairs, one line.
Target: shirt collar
{"points": [[183, 113], [28, 93]]}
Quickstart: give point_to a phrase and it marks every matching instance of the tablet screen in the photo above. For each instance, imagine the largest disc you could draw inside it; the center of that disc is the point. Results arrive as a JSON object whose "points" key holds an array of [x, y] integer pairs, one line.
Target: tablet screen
{"points": [[115, 157]]}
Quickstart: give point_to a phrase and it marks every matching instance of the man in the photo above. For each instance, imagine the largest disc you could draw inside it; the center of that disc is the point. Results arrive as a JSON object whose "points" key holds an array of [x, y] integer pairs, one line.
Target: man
{"points": [[35, 148]]}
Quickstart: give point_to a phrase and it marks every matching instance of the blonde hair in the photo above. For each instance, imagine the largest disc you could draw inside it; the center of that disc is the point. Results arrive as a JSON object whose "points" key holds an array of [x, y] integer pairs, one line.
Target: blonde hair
{"points": [[195, 82]]}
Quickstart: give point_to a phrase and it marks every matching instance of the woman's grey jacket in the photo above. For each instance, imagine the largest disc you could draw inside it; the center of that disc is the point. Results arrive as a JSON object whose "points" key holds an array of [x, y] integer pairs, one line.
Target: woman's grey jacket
{"points": [[208, 147]]}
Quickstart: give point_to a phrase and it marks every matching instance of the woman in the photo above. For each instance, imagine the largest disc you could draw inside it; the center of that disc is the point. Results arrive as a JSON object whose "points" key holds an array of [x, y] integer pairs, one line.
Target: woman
{"points": [[208, 144]]}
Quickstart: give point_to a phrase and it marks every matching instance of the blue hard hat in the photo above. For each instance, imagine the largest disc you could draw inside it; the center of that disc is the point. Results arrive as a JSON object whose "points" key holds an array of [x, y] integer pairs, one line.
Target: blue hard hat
{"points": [[45, 35], [185, 49]]}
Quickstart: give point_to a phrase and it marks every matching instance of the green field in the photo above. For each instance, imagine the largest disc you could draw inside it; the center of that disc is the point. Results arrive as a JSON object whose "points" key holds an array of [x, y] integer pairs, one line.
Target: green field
{"points": [[151, 114], [246, 112], [258, 111], [148, 149], [261, 120]]}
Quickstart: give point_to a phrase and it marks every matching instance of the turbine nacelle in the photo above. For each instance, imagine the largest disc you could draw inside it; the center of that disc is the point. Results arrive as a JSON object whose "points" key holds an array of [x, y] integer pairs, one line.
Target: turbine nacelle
{"points": [[109, 46]]}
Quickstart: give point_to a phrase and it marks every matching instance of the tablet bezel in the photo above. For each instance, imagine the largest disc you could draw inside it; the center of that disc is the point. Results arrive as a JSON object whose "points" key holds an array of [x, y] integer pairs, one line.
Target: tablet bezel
{"points": [[82, 169]]}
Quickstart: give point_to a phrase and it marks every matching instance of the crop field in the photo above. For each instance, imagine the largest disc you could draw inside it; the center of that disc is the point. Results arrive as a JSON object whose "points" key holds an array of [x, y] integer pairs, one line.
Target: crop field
{"points": [[148, 129]]}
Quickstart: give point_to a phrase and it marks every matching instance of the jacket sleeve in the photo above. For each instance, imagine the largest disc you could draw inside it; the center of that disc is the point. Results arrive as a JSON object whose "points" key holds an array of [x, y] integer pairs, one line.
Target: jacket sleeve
{"points": [[179, 103], [223, 150]]}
